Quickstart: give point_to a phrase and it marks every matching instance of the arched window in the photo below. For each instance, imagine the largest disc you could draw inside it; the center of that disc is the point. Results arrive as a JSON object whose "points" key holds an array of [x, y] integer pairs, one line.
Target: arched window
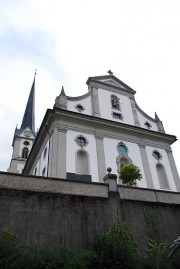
{"points": [[44, 172], [45, 153], [121, 161], [35, 171], [124, 161], [25, 152], [82, 162], [162, 177], [115, 102]]}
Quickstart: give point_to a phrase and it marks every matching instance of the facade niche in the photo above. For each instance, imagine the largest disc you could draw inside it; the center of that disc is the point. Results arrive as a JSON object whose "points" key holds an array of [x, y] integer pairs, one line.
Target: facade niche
{"points": [[115, 102], [162, 177], [82, 162]]}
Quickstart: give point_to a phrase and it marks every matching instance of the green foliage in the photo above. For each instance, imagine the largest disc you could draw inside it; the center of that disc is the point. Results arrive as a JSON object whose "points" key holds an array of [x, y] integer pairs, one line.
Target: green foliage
{"points": [[129, 173], [117, 249], [156, 256], [14, 256], [114, 249], [152, 225]]}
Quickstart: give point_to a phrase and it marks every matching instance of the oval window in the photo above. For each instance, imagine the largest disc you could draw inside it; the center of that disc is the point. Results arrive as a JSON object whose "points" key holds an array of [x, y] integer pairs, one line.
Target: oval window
{"points": [[122, 149]]}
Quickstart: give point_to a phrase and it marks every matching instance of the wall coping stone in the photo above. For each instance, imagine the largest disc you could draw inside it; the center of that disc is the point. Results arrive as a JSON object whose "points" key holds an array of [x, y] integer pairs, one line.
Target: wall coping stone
{"points": [[52, 185], [94, 189], [149, 195]]}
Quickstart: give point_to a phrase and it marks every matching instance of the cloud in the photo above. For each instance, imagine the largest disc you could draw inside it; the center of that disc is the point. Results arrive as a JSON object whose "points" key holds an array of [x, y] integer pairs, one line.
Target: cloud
{"points": [[68, 41]]}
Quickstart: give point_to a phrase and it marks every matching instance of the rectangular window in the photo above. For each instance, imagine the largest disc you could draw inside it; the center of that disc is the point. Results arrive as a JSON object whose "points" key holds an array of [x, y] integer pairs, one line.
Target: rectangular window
{"points": [[117, 116]]}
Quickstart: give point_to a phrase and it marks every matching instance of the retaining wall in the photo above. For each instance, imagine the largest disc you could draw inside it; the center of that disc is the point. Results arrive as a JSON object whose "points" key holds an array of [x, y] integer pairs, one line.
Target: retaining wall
{"points": [[60, 212]]}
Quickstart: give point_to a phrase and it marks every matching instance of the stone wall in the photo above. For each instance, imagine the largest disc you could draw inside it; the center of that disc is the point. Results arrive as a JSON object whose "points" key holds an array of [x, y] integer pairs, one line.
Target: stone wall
{"points": [[60, 212]]}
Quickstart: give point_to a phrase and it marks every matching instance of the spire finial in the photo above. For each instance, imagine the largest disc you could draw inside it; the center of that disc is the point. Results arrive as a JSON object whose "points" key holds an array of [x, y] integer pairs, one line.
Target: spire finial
{"points": [[62, 91], [110, 72], [35, 71]]}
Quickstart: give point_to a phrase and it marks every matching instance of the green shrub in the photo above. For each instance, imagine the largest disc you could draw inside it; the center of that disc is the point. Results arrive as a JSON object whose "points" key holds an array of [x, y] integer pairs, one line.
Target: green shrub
{"points": [[14, 256], [117, 249], [129, 173], [156, 256]]}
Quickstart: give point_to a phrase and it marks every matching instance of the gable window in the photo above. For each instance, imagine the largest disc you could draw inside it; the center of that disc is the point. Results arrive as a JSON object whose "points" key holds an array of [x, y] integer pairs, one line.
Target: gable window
{"points": [[82, 162], [117, 116], [25, 152], [79, 107], [148, 125], [115, 102]]}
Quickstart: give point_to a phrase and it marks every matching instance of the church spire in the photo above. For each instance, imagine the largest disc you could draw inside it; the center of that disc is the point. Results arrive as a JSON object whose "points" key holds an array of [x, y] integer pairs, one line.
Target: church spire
{"points": [[28, 118]]}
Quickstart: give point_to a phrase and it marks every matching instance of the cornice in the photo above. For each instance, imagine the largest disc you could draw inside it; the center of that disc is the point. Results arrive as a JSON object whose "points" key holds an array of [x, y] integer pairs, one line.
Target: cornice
{"points": [[108, 124], [77, 98], [110, 87], [97, 78]]}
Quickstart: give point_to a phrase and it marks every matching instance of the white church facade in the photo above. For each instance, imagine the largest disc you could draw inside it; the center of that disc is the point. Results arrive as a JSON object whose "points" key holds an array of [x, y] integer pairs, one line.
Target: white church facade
{"points": [[82, 136]]}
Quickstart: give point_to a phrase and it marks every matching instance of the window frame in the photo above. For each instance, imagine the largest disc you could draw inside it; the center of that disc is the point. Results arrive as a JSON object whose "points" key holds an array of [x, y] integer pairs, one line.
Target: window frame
{"points": [[83, 138], [25, 152]]}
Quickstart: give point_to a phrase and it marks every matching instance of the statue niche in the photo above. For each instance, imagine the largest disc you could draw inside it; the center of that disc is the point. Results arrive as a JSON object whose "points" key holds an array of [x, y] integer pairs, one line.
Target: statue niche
{"points": [[115, 102]]}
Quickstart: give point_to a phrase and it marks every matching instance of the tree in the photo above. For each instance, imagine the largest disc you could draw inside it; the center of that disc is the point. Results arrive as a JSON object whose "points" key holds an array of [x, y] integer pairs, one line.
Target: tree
{"points": [[129, 173]]}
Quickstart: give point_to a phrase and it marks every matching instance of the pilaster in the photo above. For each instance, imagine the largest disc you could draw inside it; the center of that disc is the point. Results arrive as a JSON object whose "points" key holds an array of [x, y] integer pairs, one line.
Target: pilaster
{"points": [[16, 148], [134, 111], [57, 154], [95, 103], [146, 167], [173, 169], [61, 154], [100, 158], [53, 154]]}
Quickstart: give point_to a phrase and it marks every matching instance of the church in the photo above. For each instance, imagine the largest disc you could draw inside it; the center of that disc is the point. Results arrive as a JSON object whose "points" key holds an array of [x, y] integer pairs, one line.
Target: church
{"points": [[80, 137]]}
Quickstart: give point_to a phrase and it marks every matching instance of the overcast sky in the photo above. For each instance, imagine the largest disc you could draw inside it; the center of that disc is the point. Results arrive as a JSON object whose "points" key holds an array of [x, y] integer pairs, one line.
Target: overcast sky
{"points": [[71, 40]]}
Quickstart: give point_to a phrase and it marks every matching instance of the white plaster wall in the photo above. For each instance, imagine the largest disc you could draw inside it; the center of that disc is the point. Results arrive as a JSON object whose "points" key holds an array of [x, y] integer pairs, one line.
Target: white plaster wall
{"points": [[72, 147], [31, 135], [38, 169], [111, 153], [106, 107], [165, 162], [85, 102], [38, 165], [20, 167], [143, 119], [44, 161]]}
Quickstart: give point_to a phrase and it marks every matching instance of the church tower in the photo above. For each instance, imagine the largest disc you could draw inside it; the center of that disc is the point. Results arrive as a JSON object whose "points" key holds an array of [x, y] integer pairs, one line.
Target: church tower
{"points": [[25, 136]]}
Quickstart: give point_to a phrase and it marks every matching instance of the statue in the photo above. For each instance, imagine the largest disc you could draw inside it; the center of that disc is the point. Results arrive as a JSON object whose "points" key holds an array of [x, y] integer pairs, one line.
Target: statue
{"points": [[115, 102]]}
